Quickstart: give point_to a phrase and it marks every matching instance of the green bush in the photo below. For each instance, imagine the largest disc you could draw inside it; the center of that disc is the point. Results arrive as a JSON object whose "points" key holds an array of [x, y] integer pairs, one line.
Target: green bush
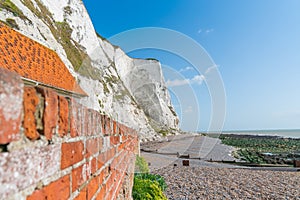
{"points": [[146, 189], [141, 165], [147, 186], [154, 178]]}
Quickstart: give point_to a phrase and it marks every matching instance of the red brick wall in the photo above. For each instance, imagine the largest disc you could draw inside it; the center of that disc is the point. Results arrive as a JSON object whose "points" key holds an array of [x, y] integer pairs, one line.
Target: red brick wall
{"points": [[52, 147]]}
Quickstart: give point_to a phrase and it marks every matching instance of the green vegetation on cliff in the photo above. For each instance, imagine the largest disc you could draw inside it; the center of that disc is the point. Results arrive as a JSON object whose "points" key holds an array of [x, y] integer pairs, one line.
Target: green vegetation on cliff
{"points": [[62, 32]]}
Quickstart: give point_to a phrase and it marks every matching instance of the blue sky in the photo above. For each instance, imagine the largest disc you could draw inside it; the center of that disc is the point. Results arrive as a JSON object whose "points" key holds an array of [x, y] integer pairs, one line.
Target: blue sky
{"points": [[254, 43]]}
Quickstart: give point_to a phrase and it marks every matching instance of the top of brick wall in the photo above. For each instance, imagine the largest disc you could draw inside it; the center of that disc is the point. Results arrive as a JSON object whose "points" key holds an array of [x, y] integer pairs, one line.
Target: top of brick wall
{"points": [[34, 61]]}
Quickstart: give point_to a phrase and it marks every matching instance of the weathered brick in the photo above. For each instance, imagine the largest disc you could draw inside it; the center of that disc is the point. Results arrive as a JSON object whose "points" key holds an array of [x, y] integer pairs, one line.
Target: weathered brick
{"points": [[71, 153], [82, 195], [101, 194], [91, 167], [114, 129], [63, 122], [11, 98], [111, 153], [92, 187], [121, 147], [76, 115], [98, 125], [114, 140], [100, 160], [108, 126], [103, 124], [59, 189], [27, 166], [92, 147], [78, 177], [91, 122], [31, 101], [101, 177], [119, 187], [50, 112], [85, 120]]}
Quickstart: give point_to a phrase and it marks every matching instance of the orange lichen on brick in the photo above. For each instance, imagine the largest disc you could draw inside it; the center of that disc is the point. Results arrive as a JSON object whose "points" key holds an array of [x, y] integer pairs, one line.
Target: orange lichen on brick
{"points": [[34, 61]]}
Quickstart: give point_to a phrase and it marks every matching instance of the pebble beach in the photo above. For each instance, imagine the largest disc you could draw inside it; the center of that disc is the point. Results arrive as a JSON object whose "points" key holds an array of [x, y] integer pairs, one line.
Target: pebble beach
{"points": [[221, 183], [209, 180]]}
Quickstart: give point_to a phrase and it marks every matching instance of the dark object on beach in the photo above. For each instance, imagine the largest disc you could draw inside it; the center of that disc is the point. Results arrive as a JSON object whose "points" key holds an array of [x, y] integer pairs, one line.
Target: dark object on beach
{"points": [[186, 156], [175, 165], [185, 162], [149, 163], [296, 163]]}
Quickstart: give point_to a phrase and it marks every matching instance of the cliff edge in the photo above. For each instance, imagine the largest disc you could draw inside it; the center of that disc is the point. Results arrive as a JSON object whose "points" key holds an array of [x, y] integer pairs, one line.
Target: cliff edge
{"points": [[131, 91]]}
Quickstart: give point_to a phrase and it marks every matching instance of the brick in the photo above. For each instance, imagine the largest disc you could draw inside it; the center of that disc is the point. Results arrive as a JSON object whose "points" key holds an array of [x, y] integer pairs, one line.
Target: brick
{"points": [[103, 124], [71, 153], [85, 120], [100, 160], [82, 195], [92, 147], [27, 166], [98, 126], [114, 129], [92, 187], [75, 117], [31, 101], [78, 177], [101, 194], [120, 129], [59, 189], [11, 98], [92, 119], [63, 122], [91, 167], [50, 112], [101, 177], [110, 154], [108, 126], [114, 140], [119, 187], [121, 147]]}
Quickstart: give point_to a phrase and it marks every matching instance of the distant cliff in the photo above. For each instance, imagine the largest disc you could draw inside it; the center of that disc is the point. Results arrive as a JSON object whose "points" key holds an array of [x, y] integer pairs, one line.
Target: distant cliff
{"points": [[131, 91]]}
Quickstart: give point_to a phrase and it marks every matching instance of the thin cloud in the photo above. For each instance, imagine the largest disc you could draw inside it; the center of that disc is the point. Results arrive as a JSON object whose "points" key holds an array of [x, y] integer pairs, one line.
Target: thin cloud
{"points": [[188, 68], [189, 109], [206, 31], [177, 82], [209, 30], [211, 68], [198, 79]]}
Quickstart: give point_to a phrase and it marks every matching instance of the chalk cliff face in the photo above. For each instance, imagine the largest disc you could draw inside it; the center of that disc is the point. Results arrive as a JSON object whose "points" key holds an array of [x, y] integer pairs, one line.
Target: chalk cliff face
{"points": [[131, 91]]}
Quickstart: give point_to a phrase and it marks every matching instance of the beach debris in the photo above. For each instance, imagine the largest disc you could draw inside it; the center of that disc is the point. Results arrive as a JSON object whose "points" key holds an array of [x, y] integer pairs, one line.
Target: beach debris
{"points": [[297, 163], [185, 162]]}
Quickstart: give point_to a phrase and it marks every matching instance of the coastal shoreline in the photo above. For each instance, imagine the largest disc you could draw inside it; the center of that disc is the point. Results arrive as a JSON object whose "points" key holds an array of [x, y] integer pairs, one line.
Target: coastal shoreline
{"points": [[213, 180]]}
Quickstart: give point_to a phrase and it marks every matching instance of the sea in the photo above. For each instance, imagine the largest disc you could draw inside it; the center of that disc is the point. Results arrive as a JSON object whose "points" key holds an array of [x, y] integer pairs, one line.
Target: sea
{"points": [[293, 133]]}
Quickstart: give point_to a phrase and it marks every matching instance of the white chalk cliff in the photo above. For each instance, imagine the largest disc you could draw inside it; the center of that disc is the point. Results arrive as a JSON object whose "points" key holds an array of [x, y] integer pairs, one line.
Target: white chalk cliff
{"points": [[129, 90]]}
